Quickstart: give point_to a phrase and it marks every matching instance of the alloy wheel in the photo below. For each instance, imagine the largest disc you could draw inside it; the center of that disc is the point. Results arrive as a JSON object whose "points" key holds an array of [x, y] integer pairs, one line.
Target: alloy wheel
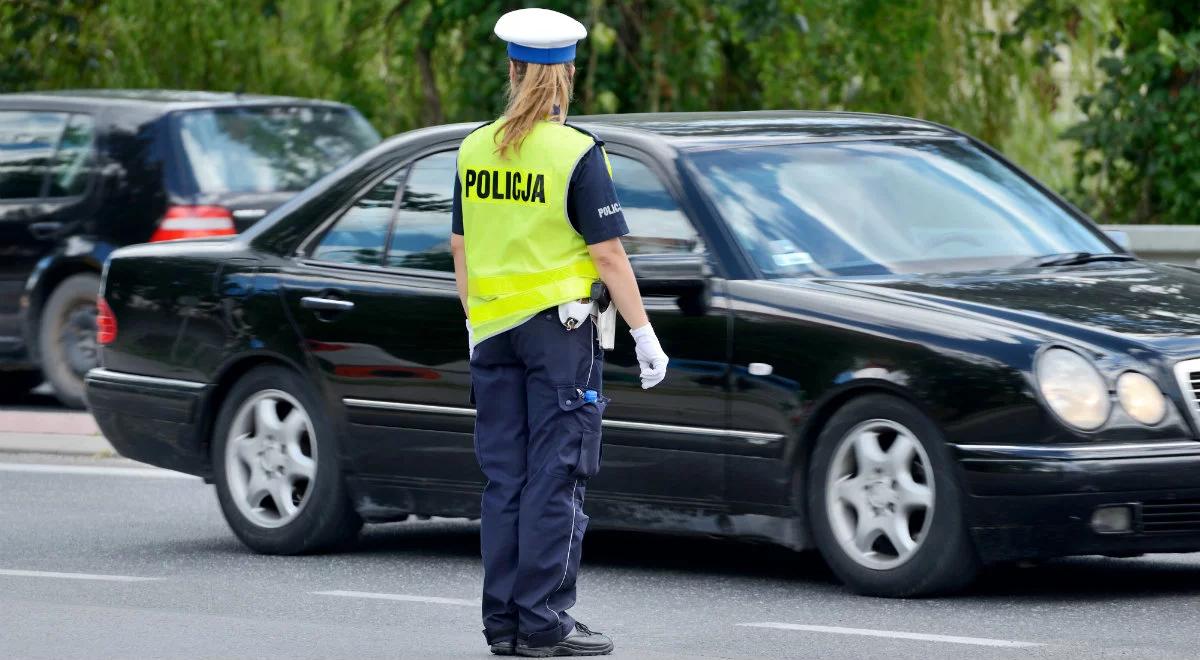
{"points": [[77, 337], [271, 458], [879, 494]]}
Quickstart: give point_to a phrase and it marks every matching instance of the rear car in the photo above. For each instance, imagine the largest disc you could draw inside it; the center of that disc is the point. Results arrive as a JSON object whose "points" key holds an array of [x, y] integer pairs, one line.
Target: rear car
{"points": [[83, 173]]}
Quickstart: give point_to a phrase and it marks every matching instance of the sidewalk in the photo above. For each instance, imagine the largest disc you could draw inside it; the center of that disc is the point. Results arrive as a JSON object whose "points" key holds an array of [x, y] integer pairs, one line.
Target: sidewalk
{"points": [[53, 432]]}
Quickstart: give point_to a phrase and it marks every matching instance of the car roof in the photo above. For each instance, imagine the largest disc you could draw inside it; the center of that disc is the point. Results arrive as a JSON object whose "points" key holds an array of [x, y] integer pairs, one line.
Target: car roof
{"points": [[161, 100], [714, 129]]}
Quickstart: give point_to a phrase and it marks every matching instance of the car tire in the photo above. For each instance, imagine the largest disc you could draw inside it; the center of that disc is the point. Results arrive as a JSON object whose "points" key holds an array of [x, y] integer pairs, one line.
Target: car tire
{"points": [[15, 384], [257, 458], [860, 500], [67, 337]]}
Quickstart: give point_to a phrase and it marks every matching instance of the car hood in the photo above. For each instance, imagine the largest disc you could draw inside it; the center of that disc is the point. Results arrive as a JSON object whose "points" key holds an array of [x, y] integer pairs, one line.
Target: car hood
{"points": [[1153, 304]]}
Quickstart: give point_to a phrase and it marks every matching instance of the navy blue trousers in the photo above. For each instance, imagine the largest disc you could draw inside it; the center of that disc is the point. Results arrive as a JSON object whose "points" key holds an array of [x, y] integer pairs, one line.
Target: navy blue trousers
{"points": [[537, 441]]}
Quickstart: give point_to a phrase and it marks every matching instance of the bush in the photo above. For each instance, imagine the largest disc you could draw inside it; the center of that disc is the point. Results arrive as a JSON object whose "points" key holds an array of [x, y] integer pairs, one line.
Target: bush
{"points": [[1139, 157]]}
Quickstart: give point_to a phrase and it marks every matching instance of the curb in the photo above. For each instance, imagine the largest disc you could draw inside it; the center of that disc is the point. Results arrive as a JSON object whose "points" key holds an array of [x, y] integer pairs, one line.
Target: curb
{"points": [[51, 432], [54, 443], [48, 422]]}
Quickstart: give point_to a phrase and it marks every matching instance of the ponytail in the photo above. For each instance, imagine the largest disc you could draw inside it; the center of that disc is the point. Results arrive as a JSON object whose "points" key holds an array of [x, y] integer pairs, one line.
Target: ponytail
{"points": [[538, 88]]}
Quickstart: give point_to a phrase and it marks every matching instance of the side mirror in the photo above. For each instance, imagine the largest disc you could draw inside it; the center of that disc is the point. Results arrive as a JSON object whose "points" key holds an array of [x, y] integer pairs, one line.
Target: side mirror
{"points": [[683, 275], [1121, 238]]}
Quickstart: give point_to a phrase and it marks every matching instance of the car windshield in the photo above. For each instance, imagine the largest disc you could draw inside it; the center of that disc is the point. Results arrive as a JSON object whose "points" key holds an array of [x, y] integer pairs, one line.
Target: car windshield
{"points": [[268, 149], [878, 207]]}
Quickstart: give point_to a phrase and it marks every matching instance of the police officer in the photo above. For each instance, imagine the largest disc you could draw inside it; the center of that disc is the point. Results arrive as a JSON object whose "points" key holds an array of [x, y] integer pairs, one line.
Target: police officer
{"points": [[537, 225]]}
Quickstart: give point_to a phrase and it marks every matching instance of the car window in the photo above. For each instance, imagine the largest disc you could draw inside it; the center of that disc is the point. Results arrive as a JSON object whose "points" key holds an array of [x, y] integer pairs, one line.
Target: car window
{"points": [[656, 223], [71, 166], [270, 148], [359, 236], [421, 236], [27, 142], [880, 207]]}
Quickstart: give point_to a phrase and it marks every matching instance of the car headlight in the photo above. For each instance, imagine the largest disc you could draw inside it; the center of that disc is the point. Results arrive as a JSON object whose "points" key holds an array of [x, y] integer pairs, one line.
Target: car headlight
{"points": [[1141, 398], [1073, 388]]}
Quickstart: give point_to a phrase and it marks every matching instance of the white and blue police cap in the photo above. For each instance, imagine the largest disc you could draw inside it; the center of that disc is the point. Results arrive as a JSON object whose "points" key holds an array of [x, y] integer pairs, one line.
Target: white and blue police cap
{"points": [[540, 36]]}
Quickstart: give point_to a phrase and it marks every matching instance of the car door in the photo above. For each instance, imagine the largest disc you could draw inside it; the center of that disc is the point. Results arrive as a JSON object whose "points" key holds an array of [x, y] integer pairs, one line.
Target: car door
{"points": [[373, 296], [660, 443], [384, 327], [45, 168], [664, 446]]}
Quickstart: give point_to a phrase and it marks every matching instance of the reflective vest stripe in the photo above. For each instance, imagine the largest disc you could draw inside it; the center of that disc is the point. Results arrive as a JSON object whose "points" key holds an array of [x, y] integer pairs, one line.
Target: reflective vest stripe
{"points": [[505, 284], [528, 302]]}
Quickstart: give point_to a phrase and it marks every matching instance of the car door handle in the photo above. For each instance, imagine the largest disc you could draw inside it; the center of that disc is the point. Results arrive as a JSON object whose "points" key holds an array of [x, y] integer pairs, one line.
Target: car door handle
{"points": [[45, 230], [326, 304]]}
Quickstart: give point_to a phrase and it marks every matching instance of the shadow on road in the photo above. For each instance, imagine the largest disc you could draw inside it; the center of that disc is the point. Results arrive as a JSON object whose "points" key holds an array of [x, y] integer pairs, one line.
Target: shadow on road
{"points": [[1076, 579], [40, 399], [627, 550], [1085, 579]]}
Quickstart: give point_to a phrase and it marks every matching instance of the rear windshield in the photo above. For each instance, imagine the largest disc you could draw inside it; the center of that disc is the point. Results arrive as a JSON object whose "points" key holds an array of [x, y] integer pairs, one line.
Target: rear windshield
{"points": [[268, 149]]}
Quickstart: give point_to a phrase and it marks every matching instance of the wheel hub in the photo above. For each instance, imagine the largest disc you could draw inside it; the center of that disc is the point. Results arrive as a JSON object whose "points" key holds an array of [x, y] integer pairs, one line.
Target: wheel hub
{"points": [[879, 494], [270, 458]]}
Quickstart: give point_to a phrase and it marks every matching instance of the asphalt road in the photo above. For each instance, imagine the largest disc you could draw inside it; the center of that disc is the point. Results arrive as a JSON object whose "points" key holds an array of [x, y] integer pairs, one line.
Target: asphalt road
{"points": [[102, 559]]}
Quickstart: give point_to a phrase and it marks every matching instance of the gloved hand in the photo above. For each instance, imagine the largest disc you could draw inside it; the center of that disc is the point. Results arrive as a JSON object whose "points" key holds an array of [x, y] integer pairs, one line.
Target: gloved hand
{"points": [[470, 341], [650, 356]]}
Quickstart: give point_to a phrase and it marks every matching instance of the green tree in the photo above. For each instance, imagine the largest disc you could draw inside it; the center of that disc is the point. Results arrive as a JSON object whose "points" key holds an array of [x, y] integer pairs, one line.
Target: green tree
{"points": [[1007, 71], [1139, 157]]}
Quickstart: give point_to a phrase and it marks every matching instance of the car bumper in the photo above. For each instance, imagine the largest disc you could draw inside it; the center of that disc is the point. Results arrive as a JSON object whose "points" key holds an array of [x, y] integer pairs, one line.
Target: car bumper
{"points": [[1036, 501], [152, 420]]}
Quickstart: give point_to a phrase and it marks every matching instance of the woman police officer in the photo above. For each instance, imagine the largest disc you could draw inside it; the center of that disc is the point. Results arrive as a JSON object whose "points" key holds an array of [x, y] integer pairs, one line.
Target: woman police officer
{"points": [[536, 224]]}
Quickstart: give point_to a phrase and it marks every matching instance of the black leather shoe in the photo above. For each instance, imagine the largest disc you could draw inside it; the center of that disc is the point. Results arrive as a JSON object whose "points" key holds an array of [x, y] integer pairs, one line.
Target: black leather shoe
{"points": [[506, 647], [581, 641], [502, 642]]}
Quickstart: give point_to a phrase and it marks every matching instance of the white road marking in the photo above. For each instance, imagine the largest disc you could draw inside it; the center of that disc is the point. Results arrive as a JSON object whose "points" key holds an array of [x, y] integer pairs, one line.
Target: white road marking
{"points": [[76, 576], [894, 634], [147, 473], [404, 597]]}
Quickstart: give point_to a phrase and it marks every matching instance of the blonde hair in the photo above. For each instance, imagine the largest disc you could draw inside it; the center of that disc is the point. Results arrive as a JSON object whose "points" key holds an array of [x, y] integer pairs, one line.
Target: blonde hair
{"points": [[538, 88]]}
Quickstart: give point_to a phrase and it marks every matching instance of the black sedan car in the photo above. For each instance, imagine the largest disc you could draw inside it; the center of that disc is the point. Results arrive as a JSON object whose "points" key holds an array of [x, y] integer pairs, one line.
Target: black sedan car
{"points": [[887, 343], [85, 172]]}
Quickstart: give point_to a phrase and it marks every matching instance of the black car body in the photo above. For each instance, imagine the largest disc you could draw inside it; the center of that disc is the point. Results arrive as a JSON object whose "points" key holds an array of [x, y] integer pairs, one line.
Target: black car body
{"points": [[768, 369], [85, 172]]}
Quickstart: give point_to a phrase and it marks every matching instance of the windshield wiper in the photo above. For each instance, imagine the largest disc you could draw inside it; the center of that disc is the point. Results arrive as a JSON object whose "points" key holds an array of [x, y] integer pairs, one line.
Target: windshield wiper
{"points": [[1078, 258]]}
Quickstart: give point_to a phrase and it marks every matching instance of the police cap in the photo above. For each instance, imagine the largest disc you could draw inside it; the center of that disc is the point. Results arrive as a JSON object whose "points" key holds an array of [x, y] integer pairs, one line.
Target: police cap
{"points": [[540, 36]]}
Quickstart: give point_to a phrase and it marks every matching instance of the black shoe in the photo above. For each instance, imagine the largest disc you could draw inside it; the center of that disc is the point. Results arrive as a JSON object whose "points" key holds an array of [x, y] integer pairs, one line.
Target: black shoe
{"points": [[501, 643], [506, 647], [581, 641]]}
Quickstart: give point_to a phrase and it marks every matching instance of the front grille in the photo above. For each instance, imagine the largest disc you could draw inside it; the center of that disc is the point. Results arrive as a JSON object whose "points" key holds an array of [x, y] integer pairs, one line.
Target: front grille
{"points": [[1187, 374], [1171, 517]]}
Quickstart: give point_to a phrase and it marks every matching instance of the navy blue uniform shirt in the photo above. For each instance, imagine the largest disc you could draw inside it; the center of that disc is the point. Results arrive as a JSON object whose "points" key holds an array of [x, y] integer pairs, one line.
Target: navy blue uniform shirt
{"points": [[592, 204]]}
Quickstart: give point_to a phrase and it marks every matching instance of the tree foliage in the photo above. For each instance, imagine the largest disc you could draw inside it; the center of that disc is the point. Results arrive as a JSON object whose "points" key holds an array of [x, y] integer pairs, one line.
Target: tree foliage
{"points": [[1008, 71], [1140, 155]]}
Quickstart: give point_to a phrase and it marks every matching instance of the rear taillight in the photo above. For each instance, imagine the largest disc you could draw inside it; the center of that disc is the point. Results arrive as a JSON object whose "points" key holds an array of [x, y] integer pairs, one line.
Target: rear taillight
{"points": [[194, 222], [106, 323]]}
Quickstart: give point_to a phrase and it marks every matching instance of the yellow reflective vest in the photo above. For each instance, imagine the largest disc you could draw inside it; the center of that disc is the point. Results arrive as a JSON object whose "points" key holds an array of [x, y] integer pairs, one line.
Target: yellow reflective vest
{"points": [[522, 253]]}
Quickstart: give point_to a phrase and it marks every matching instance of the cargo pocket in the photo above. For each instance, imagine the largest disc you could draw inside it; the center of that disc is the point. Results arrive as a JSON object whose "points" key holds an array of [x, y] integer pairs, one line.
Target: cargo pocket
{"points": [[584, 450]]}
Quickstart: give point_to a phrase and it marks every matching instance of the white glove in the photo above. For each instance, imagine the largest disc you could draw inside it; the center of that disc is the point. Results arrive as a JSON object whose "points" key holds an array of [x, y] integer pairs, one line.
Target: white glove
{"points": [[470, 341], [650, 356]]}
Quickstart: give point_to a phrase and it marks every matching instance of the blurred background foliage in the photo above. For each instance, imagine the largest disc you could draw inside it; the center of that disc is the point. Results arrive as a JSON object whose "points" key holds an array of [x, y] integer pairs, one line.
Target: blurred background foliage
{"points": [[1099, 98]]}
